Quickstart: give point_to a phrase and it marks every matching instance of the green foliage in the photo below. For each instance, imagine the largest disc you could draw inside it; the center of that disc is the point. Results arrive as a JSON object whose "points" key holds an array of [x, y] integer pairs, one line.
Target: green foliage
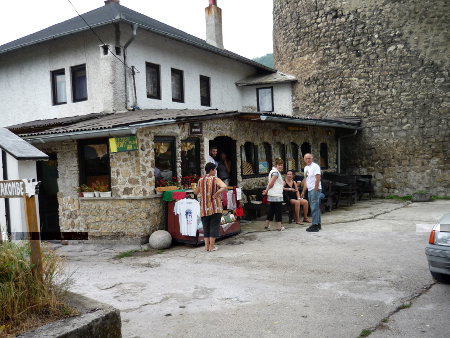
{"points": [[401, 198], [266, 60], [404, 306], [440, 197], [22, 293], [126, 254], [365, 333]]}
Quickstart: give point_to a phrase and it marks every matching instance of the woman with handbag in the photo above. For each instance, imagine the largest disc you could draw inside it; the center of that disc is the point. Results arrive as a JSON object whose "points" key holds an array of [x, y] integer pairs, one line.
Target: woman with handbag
{"points": [[293, 197], [274, 192]]}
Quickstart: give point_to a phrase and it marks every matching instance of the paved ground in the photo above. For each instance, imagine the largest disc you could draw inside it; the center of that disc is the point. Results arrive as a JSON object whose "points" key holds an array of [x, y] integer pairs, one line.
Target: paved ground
{"points": [[358, 273]]}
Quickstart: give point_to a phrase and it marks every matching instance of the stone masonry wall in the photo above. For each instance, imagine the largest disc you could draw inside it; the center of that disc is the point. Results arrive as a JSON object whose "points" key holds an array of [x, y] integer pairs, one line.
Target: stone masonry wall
{"points": [[386, 62], [134, 211]]}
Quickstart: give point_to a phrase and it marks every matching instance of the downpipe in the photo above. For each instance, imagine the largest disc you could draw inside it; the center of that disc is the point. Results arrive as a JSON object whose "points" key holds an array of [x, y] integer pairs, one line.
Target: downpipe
{"points": [[135, 27]]}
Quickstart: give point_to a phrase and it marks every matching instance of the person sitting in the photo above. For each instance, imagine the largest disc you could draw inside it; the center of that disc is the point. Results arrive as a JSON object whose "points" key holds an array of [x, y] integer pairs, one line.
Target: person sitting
{"points": [[291, 187]]}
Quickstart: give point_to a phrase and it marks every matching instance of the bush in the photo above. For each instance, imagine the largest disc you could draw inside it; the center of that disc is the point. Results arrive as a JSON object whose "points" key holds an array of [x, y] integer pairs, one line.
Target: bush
{"points": [[25, 300]]}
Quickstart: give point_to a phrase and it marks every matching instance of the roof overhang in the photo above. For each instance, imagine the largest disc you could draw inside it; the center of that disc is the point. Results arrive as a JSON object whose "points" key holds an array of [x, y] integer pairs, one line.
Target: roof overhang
{"points": [[311, 122]]}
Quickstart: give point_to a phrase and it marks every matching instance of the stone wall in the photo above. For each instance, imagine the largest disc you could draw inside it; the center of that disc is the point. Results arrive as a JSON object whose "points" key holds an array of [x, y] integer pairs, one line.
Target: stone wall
{"points": [[134, 211], [386, 62]]}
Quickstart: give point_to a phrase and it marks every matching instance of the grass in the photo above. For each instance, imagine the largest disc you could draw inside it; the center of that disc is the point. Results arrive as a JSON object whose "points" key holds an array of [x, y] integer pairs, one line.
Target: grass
{"points": [[385, 320], [126, 254], [404, 306], [440, 197], [365, 333], [25, 301]]}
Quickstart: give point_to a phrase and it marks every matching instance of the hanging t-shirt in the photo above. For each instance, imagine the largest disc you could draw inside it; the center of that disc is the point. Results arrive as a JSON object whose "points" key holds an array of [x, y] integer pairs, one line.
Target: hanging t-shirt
{"points": [[188, 211]]}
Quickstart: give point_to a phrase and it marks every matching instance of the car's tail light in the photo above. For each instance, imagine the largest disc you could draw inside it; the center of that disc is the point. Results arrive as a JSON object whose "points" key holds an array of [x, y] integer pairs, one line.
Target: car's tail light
{"points": [[431, 239]]}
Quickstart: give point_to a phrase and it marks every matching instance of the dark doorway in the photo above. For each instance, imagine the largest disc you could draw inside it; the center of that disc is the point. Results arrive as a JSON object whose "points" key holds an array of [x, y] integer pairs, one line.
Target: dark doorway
{"points": [[227, 145], [47, 174], [306, 149]]}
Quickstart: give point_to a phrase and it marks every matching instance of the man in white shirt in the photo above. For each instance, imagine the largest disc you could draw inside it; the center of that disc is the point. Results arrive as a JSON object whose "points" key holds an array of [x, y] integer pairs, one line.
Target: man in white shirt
{"points": [[311, 181], [212, 155]]}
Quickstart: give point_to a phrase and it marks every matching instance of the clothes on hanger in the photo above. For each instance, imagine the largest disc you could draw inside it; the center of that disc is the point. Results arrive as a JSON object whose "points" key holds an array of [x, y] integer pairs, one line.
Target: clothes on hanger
{"points": [[188, 211]]}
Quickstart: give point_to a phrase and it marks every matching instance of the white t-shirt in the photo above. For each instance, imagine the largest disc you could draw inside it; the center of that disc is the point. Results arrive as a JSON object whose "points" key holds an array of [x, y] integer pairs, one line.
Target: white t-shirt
{"points": [[310, 173], [188, 211]]}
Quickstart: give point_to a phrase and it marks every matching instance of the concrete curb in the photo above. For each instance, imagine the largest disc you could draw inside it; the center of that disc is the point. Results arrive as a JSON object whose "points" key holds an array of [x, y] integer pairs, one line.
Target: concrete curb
{"points": [[95, 320]]}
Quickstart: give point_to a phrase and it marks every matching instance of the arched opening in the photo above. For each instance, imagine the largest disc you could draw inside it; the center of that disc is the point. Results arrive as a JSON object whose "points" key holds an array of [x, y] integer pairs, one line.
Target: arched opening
{"points": [[227, 146]]}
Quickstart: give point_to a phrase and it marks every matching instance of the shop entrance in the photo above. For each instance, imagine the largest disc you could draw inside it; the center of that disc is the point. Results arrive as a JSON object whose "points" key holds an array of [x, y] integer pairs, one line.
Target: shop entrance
{"points": [[227, 146], [47, 174]]}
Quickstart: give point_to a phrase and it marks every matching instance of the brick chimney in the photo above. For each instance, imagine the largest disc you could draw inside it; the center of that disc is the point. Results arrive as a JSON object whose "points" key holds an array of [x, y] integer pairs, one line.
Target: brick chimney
{"points": [[112, 1], [213, 16]]}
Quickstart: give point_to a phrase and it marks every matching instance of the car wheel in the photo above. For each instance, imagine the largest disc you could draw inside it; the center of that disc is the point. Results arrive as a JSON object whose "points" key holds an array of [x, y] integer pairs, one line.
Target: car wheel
{"points": [[441, 277]]}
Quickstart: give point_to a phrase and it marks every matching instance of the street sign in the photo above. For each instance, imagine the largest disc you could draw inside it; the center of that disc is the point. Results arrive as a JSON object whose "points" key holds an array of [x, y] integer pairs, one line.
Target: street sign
{"points": [[26, 189], [12, 188]]}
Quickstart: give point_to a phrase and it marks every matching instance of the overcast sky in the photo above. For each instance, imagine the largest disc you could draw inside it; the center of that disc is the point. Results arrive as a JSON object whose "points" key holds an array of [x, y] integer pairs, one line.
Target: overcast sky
{"points": [[247, 24]]}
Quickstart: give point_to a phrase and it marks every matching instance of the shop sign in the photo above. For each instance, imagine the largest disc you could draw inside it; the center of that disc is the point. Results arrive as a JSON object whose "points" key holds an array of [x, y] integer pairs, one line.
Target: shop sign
{"points": [[120, 144], [12, 188], [296, 128], [195, 128]]}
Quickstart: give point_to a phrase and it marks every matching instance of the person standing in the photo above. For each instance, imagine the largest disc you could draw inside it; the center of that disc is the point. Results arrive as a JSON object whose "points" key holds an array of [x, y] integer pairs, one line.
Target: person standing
{"points": [[210, 188], [274, 192], [224, 169], [311, 182], [212, 155]]}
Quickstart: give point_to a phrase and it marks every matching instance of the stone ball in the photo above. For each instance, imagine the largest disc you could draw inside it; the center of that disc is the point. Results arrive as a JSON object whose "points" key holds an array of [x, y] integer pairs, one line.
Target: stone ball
{"points": [[160, 239]]}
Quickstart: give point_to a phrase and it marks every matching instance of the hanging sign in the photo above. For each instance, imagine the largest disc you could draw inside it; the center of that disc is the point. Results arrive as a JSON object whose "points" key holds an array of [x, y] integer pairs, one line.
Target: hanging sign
{"points": [[120, 144], [195, 128], [12, 188], [296, 128]]}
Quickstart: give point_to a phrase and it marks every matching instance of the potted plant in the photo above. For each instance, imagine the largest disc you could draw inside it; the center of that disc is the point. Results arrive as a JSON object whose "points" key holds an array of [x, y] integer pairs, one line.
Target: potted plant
{"points": [[104, 190], [163, 185], [86, 190]]}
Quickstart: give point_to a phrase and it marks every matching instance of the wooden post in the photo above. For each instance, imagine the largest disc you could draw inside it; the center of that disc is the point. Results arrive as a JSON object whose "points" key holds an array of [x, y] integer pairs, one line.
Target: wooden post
{"points": [[33, 231]]}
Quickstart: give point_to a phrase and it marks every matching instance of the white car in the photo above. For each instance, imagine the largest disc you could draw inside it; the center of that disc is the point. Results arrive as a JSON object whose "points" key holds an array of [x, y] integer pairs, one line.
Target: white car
{"points": [[438, 250]]}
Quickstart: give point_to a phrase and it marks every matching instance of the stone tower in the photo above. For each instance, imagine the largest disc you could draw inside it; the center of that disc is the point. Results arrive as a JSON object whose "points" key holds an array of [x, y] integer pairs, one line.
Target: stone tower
{"points": [[385, 61]]}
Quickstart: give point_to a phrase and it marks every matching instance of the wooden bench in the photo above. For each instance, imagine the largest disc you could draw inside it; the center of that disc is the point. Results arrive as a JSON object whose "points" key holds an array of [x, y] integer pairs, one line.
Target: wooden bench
{"points": [[255, 208]]}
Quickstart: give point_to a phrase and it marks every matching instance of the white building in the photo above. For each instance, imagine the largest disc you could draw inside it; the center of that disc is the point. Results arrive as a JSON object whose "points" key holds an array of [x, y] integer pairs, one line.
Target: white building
{"points": [[126, 60]]}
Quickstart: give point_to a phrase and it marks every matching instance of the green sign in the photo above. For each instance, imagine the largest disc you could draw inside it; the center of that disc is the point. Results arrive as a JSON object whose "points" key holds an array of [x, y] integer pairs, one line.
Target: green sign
{"points": [[119, 144]]}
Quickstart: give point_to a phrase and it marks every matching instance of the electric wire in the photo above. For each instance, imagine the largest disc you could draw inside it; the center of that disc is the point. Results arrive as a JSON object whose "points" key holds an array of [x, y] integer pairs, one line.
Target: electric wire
{"points": [[99, 38]]}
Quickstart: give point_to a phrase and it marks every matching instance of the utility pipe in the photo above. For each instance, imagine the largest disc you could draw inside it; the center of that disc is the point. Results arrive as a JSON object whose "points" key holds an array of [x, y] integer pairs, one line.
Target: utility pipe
{"points": [[135, 27]]}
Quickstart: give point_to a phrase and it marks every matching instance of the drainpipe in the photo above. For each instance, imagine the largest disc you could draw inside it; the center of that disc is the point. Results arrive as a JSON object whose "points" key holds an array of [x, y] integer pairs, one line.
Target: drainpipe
{"points": [[339, 148], [135, 27]]}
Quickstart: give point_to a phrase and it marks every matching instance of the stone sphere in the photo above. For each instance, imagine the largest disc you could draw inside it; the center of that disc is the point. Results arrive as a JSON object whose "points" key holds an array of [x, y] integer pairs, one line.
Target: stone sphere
{"points": [[160, 239]]}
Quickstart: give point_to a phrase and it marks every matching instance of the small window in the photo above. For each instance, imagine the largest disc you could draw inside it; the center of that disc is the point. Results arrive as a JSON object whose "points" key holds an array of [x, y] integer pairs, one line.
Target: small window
{"points": [[292, 157], [190, 157], [165, 169], [177, 85], [94, 163], [79, 83], [323, 156], [205, 91], [59, 87], [264, 158], [153, 75], [265, 99], [279, 151], [249, 159]]}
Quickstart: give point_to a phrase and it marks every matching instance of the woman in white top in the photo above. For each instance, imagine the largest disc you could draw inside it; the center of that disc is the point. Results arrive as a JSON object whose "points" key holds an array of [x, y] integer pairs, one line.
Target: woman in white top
{"points": [[274, 192]]}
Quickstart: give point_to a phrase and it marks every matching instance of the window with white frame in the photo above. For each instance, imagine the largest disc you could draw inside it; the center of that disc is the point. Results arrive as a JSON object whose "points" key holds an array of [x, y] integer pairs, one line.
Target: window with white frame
{"points": [[59, 86], [79, 83], [265, 99], [153, 80]]}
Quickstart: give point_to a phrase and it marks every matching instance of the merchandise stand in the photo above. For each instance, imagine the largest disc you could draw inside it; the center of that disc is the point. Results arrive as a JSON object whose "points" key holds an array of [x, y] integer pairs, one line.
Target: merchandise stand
{"points": [[173, 227]]}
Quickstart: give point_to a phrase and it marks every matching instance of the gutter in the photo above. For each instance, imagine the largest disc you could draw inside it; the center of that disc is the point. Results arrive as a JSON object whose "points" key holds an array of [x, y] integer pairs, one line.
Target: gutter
{"points": [[135, 27], [89, 134], [319, 123]]}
